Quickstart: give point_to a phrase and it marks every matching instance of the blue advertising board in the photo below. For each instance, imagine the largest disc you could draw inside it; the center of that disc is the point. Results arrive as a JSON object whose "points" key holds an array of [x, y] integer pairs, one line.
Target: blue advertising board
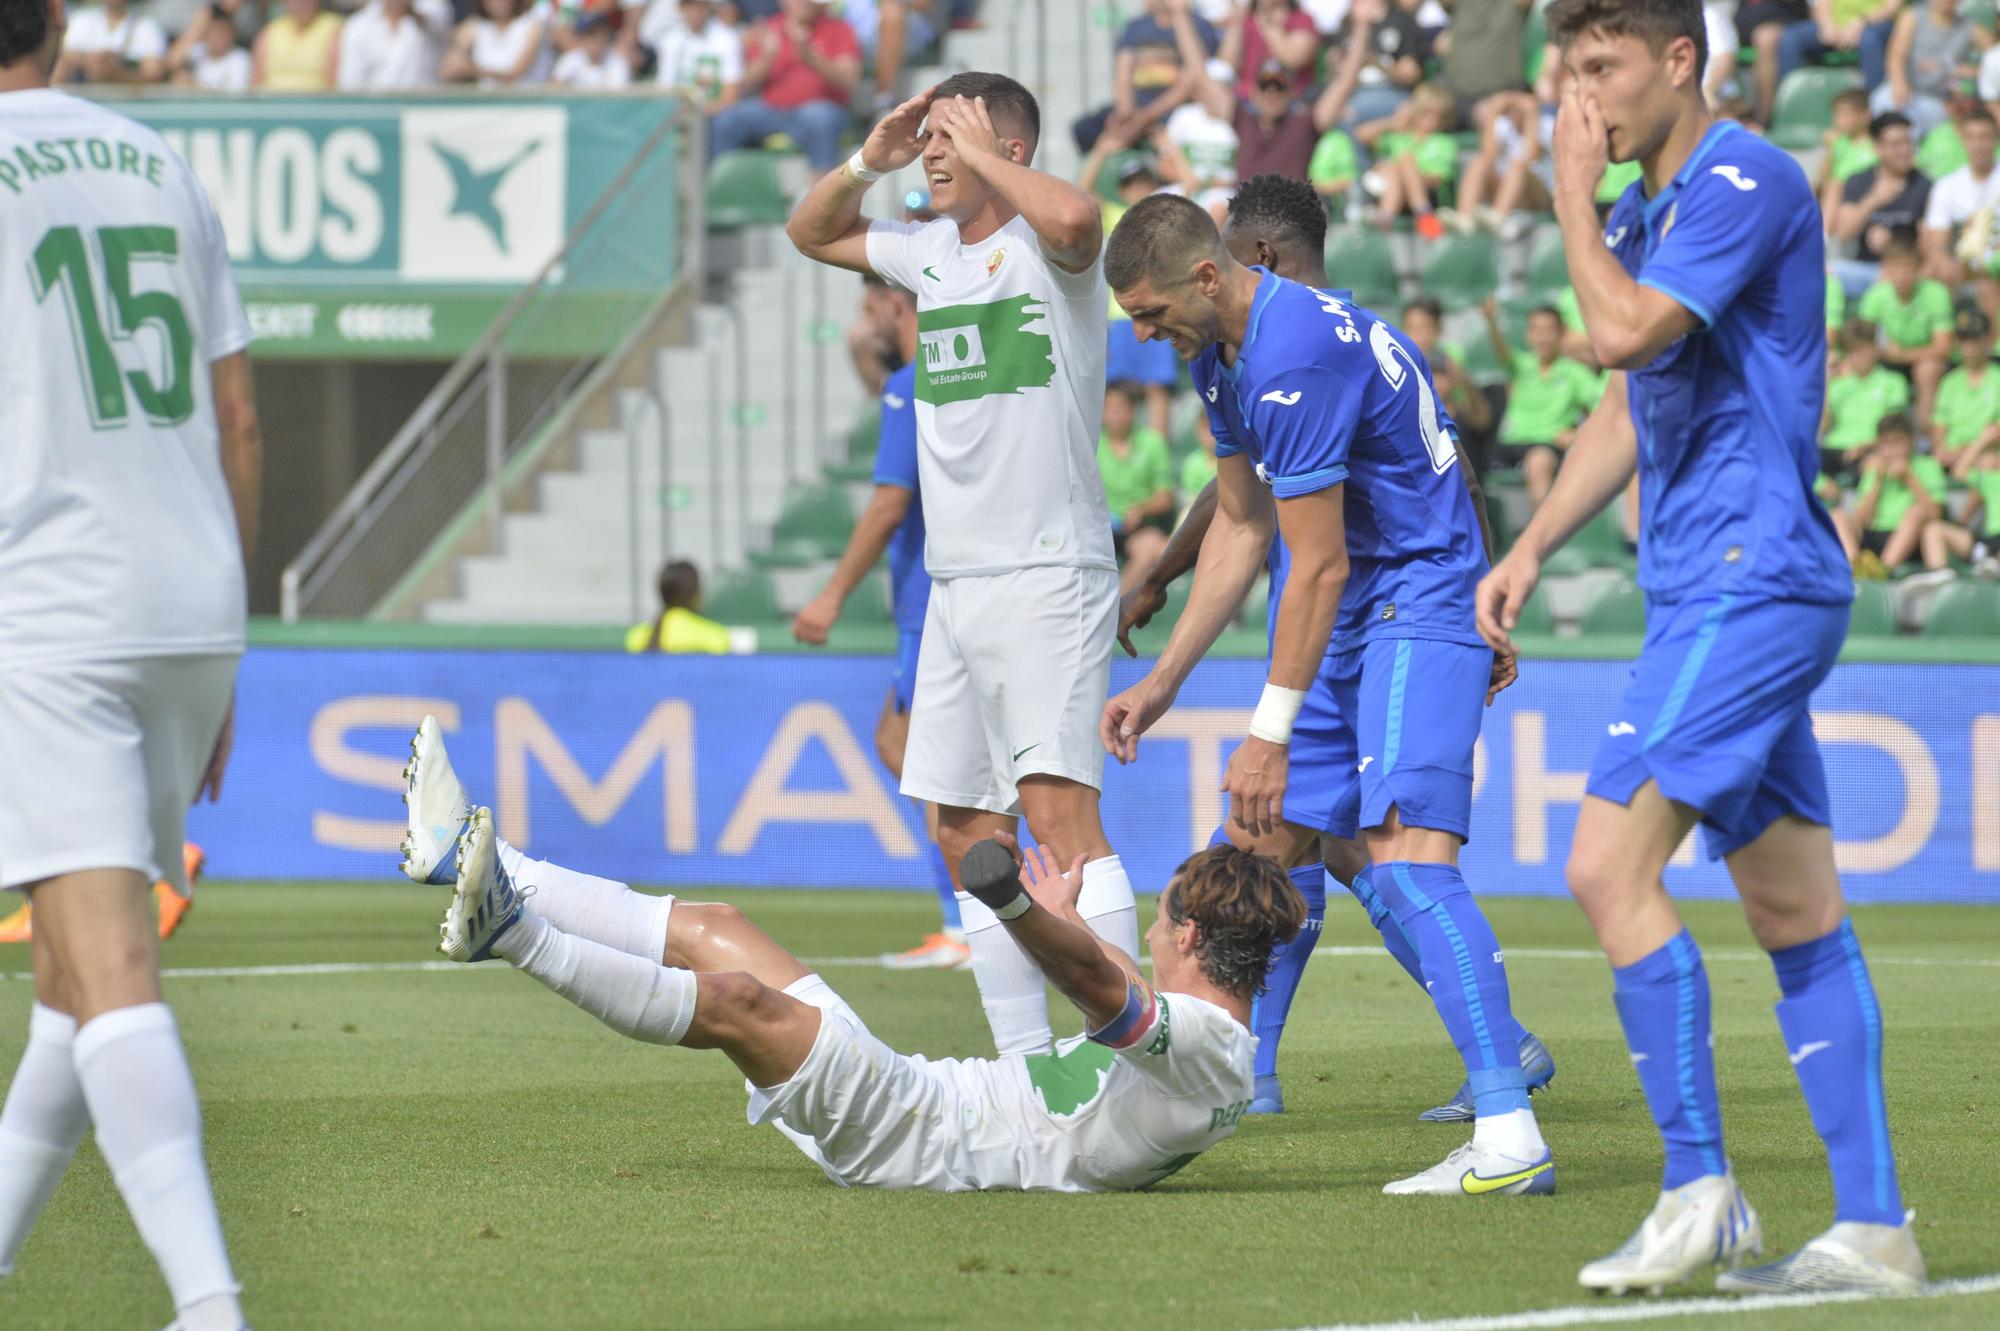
{"points": [[761, 771]]}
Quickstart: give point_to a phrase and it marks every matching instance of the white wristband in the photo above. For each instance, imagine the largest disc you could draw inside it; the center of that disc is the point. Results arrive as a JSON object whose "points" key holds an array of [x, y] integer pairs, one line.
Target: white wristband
{"points": [[860, 170], [1276, 710]]}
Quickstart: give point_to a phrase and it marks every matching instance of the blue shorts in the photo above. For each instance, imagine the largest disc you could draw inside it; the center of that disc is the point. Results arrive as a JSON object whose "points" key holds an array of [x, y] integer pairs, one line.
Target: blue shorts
{"points": [[1128, 360], [1715, 712], [1389, 724], [903, 684]]}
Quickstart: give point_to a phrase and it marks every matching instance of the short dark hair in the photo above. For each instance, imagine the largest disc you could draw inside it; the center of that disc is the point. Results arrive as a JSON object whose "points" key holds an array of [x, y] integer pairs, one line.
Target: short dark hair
{"points": [[1887, 121], [1005, 100], [1243, 907], [1977, 115], [1281, 209], [1424, 305], [1851, 97], [1897, 422], [1549, 310], [24, 28], [1158, 234], [1858, 333], [680, 580], [1659, 23], [1900, 246]]}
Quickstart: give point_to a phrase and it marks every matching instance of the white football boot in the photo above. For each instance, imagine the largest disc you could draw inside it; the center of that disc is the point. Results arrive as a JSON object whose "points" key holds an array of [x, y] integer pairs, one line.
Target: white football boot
{"points": [[1479, 1171], [438, 809], [484, 902], [1852, 1256], [1700, 1224]]}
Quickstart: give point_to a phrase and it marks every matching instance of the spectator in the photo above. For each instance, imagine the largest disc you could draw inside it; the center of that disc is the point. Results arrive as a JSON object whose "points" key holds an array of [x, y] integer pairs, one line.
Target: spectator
{"points": [[1719, 18], [1415, 155], [1260, 31], [1860, 394], [1423, 321], [1901, 493], [1482, 55], [1390, 49], [694, 51], [1846, 149], [1879, 204], [1138, 484], [1960, 198], [890, 32], [1335, 166], [389, 45], [207, 56], [801, 68], [1208, 143], [1968, 398], [1835, 25], [1836, 311], [592, 63], [505, 43], [679, 629], [1975, 537], [1913, 313], [1929, 48], [298, 51], [1548, 395], [1275, 132], [1152, 366], [1512, 143], [1148, 79], [1762, 24], [1199, 467], [108, 43]]}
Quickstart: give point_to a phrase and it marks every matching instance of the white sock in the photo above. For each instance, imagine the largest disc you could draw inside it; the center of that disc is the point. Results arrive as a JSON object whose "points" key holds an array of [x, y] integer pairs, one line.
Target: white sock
{"points": [[596, 909], [1514, 1133], [631, 995], [141, 1095], [1011, 987], [1107, 906], [42, 1122]]}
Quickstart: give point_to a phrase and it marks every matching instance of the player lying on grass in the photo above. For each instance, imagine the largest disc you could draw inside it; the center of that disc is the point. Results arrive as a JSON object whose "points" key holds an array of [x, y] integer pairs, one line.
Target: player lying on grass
{"points": [[1162, 1074]]}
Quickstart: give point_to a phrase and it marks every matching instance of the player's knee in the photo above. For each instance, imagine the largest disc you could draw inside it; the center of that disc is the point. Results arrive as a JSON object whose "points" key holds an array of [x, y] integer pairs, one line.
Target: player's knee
{"points": [[728, 1005], [696, 928], [1344, 859], [1595, 873]]}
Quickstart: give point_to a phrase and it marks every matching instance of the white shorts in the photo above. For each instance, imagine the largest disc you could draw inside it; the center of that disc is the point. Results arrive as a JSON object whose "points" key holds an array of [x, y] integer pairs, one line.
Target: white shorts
{"points": [[1011, 682], [99, 761]]}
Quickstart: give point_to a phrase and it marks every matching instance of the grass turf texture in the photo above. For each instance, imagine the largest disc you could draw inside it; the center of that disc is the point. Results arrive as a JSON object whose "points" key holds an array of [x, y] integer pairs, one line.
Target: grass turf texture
{"points": [[463, 1149]]}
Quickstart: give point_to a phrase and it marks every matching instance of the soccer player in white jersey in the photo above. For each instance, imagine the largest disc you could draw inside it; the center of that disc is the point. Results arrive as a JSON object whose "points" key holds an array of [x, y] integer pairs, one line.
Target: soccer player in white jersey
{"points": [[1162, 1073], [1016, 655], [128, 497]]}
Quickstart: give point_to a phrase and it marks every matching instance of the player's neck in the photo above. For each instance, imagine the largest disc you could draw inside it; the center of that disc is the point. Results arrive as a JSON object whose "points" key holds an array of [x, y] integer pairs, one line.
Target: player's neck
{"points": [[1667, 160], [983, 224], [1233, 303], [23, 75]]}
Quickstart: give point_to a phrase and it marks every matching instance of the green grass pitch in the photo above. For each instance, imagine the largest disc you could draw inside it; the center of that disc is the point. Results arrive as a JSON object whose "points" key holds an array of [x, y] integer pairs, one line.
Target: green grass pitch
{"points": [[439, 1149]]}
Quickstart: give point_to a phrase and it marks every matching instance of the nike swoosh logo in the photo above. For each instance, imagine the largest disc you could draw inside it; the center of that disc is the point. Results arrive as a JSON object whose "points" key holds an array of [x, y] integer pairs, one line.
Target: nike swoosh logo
{"points": [[1282, 399], [1622, 728], [1806, 1051], [1036, 745], [931, 273], [1475, 1186]]}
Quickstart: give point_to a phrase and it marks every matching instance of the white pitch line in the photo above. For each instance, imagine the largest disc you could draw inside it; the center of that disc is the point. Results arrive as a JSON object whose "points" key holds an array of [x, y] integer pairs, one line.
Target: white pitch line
{"points": [[1603, 1314]]}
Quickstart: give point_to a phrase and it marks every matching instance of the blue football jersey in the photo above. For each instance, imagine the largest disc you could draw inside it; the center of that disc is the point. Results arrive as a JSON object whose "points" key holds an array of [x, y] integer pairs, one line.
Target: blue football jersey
{"points": [[896, 464], [1728, 417], [1323, 392]]}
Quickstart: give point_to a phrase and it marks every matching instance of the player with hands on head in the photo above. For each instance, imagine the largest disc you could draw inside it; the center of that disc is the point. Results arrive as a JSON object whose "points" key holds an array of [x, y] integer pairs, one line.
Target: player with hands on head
{"points": [[1704, 294]]}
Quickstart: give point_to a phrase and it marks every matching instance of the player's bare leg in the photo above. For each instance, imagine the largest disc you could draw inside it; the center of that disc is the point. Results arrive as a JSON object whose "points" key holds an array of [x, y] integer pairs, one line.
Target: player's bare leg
{"points": [[1065, 816], [944, 949]]}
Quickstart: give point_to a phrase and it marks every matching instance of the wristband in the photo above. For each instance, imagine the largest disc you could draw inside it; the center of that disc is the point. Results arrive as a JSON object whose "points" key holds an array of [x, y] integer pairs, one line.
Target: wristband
{"points": [[1276, 710], [860, 171], [988, 873]]}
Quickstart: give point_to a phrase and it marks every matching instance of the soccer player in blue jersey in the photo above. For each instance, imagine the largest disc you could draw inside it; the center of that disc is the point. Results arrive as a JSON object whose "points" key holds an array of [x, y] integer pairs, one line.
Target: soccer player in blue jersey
{"points": [[1704, 294], [1279, 222], [1324, 419], [894, 521]]}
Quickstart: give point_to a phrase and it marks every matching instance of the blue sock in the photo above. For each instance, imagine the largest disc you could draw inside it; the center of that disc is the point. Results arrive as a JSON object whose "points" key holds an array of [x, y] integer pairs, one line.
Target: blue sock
{"points": [[1833, 1031], [1463, 971], [1663, 1002], [1393, 937], [947, 895], [1288, 966]]}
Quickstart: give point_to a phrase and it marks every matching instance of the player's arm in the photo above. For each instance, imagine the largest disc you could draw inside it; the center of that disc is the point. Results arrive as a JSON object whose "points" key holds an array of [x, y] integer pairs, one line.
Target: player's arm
{"points": [[1069, 222], [242, 444], [885, 512], [1138, 606], [1216, 99], [1038, 906], [828, 225]]}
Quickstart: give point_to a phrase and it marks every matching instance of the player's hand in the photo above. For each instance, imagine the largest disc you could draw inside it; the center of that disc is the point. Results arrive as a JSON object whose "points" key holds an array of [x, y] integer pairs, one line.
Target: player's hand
{"points": [[218, 760], [898, 140], [1131, 714], [1136, 609], [965, 121], [1053, 889], [1506, 669], [1501, 595], [1582, 146], [1255, 783], [815, 621]]}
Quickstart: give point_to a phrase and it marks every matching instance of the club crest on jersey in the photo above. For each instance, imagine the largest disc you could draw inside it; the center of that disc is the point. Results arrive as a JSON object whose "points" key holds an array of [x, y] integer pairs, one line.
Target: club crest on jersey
{"points": [[994, 260]]}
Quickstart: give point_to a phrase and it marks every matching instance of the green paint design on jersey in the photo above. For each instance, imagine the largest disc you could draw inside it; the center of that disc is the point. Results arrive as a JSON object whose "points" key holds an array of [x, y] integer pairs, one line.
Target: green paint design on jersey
{"points": [[973, 351], [1069, 1081]]}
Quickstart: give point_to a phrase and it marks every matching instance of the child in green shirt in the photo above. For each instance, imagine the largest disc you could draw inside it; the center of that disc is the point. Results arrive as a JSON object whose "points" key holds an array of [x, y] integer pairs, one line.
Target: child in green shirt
{"points": [[1335, 166], [1858, 395], [1414, 155], [1548, 395], [1913, 315], [1901, 493], [1975, 537], [1968, 400], [1138, 476], [1847, 147]]}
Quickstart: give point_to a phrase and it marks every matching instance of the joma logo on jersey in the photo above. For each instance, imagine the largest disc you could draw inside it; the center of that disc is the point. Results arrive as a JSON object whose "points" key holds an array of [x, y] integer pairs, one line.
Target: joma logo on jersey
{"points": [[980, 350]]}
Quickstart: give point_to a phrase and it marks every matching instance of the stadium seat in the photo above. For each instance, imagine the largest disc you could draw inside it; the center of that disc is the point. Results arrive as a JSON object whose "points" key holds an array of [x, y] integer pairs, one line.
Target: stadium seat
{"points": [[743, 191], [870, 602], [861, 470], [1618, 608], [1601, 544], [1536, 618], [1548, 270], [1358, 258], [1874, 611], [1966, 609], [819, 517], [1805, 105], [1462, 270], [742, 598], [866, 434], [785, 554]]}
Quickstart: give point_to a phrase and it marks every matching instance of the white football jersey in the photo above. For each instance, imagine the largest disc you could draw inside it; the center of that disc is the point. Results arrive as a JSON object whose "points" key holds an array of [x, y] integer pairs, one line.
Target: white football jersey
{"points": [[1010, 398], [117, 536]]}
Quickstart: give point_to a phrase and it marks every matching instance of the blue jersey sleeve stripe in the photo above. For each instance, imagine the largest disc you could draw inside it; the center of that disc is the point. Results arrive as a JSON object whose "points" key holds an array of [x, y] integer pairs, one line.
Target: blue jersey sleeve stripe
{"points": [[1291, 487], [899, 482], [1227, 448], [1133, 1024], [1699, 309]]}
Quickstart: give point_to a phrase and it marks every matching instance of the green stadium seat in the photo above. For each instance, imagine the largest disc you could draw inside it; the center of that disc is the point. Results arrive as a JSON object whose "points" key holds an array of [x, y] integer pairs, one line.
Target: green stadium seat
{"points": [[1874, 611], [861, 470], [1462, 270], [743, 191], [1496, 519], [1965, 609], [786, 554], [870, 602], [820, 517], [1618, 608], [1548, 270], [1805, 105], [1536, 619], [1601, 544], [745, 597], [1358, 258], [866, 434]]}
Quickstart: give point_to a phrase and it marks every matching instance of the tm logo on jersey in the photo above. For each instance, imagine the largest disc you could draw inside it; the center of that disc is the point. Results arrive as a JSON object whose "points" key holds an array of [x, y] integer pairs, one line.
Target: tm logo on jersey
{"points": [[981, 350]]}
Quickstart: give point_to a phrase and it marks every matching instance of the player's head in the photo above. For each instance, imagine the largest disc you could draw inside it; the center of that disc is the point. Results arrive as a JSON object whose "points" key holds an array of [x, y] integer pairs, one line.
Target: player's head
{"points": [[1017, 119], [1166, 264], [680, 586], [31, 34], [1641, 60], [1899, 265], [1895, 145], [1895, 438], [1545, 331], [1278, 222], [1121, 402], [1220, 917], [1423, 320], [1976, 130], [1850, 113]]}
